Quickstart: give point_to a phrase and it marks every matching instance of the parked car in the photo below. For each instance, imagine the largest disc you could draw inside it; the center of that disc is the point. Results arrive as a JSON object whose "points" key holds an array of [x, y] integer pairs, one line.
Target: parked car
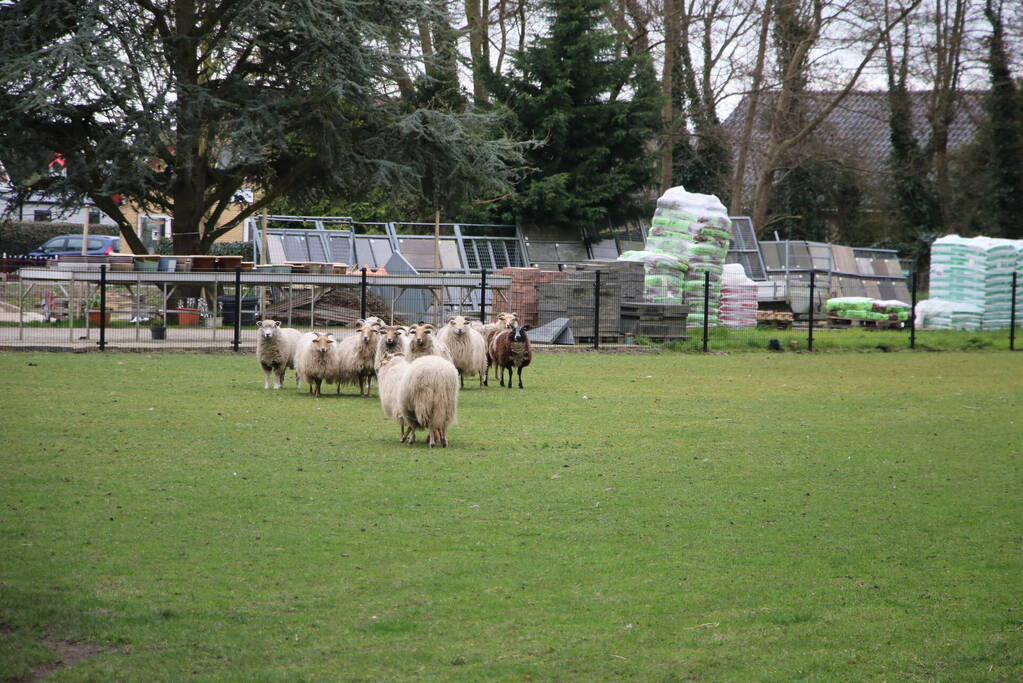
{"points": [[72, 244]]}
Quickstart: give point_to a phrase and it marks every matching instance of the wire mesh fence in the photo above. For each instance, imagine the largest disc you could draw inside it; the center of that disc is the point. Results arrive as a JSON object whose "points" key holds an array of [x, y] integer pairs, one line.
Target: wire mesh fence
{"points": [[597, 304]]}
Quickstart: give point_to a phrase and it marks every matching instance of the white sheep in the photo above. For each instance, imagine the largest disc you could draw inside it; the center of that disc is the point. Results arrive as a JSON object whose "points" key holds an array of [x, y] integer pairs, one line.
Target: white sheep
{"points": [[423, 342], [275, 350], [357, 358], [391, 371], [316, 360], [467, 348], [393, 339], [429, 398]]}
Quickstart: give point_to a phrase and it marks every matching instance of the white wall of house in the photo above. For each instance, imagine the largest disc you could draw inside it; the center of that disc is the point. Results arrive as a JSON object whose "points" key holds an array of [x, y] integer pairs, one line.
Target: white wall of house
{"points": [[39, 209]]}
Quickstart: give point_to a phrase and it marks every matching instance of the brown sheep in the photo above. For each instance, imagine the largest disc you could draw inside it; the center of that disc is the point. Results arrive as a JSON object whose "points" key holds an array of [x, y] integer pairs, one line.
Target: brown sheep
{"points": [[511, 349]]}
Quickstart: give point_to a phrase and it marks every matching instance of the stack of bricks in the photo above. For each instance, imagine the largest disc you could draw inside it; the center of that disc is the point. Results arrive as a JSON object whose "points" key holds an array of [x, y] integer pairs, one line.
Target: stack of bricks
{"points": [[522, 296]]}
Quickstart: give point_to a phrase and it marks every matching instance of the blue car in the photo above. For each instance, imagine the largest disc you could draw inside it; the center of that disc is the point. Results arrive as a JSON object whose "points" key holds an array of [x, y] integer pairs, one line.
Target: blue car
{"points": [[66, 245]]}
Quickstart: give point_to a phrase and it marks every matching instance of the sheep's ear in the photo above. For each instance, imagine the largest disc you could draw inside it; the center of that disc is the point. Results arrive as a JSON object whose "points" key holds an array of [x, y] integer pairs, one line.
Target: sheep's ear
{"points": [[330, 338], [420, 323], [277, 323], [526, 328], [360, 322]]}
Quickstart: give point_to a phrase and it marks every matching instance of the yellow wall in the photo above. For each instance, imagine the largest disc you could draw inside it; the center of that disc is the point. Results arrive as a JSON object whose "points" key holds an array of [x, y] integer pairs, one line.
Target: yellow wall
{"points": [[134, 214]]}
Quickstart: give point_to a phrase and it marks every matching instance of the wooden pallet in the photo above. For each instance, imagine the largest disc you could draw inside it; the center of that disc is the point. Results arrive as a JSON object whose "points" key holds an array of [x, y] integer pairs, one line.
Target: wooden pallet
{"points": [[840, 323]]}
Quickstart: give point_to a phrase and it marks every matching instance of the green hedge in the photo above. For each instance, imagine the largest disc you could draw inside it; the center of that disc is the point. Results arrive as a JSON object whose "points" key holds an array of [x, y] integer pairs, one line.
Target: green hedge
{"points": [[243, 249], [19, 237]]}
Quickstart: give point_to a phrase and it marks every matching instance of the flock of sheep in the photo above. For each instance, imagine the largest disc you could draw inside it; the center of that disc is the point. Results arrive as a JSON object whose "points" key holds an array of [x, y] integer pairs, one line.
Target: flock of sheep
{"points": [[419, 369]]}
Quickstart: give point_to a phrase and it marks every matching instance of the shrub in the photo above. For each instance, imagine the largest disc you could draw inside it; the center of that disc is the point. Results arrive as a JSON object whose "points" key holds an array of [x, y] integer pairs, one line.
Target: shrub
{"points": [[244, 249]]}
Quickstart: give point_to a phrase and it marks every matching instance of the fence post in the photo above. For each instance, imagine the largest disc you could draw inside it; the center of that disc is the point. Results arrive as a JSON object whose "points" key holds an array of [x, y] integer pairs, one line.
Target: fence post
{"points": [[596, 310], [103, 307], [912, 311], [237, 308], [362, 296], [706, 311], [483, 296], [1012, 314], [809, 336]]}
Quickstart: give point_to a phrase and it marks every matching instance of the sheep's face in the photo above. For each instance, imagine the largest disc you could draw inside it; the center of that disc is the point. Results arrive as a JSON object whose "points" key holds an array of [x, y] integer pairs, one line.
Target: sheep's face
{"points": [[519, 333], [268, 328], [421, 334], [368, 333], [507, 320], [389, 359], [458, 324], [392, 336], [323, 342]]}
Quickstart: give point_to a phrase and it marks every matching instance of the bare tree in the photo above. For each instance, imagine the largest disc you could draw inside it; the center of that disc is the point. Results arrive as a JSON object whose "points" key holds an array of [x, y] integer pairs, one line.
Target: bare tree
{"points": [[808, 37], [752, 111]]}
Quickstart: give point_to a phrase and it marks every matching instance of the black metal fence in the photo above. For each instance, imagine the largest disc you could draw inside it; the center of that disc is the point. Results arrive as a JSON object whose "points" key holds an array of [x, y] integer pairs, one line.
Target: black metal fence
{"points": [[595, 305]]}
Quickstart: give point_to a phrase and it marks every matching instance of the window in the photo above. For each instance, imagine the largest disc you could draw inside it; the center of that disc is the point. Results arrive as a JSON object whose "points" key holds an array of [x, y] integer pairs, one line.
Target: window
{"points": [[42, 215], [95, 216], [74, 244], [55, 245]]}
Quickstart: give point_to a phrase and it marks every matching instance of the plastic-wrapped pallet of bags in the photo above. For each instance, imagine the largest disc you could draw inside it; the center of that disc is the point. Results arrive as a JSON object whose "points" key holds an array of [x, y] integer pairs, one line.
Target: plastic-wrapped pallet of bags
{"points": [[958, 270], [1000, 262], [854, 307], [695, 229], [894, 307], [738, 304], [941, 314]]}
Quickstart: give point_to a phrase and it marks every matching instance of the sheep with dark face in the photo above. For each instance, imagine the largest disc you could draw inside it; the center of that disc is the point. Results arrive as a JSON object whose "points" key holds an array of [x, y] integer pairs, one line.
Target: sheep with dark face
{"points": [[317, 361], [511, 349], [502, 321], [357, 358], [275, 350], [423, 342], [467, 348]]}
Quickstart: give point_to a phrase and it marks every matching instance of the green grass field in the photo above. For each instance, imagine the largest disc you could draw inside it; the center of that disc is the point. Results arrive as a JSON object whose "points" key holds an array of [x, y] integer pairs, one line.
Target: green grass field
{"points": [[842, 516]]}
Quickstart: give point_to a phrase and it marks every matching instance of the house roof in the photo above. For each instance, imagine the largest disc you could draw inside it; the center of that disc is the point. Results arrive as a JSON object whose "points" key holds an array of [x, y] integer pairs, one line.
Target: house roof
{"points": [[857, 131]]}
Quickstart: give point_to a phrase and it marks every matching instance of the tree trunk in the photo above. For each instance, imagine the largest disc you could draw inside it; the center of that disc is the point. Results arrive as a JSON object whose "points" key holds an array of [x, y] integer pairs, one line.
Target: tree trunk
{"points": [[479, 49], [667, 108]]}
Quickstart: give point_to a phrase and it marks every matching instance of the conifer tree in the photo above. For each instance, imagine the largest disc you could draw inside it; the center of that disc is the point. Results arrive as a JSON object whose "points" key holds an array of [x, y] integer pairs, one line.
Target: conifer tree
{"points": [[596, 113]]}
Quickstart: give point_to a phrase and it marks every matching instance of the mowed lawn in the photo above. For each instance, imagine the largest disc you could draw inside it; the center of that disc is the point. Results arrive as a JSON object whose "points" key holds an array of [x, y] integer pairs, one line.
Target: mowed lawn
{"points": [[676, 517]]}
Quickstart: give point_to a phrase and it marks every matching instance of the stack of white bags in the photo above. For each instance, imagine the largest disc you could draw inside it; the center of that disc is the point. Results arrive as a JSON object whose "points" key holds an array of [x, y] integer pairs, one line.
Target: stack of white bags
{"points": [[971, 283], [738, 297]]}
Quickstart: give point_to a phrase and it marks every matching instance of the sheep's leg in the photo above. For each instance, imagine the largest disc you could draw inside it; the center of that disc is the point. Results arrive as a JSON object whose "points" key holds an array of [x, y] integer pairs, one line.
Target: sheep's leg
{"points": [[461, 380], [266, 375], [280, 378], [318, 381], [443, 437], [500, 371], [433, 438], [520, 377]]}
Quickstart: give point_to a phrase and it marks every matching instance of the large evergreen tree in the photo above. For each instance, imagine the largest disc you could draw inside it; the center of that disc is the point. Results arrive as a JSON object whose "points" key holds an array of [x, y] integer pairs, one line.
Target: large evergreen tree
{"points": [[178, 105], [1004, 105], [596, 113]]}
